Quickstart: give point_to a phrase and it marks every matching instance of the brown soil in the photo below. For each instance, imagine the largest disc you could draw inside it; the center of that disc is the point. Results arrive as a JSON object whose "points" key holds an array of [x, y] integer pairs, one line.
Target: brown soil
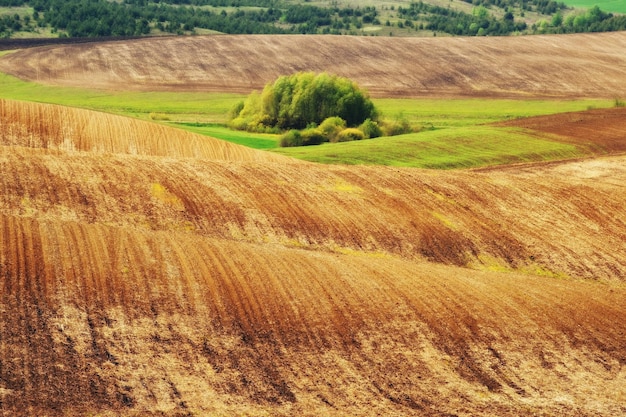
{"points": [[137, 283], [598, 130], [585, 65]]}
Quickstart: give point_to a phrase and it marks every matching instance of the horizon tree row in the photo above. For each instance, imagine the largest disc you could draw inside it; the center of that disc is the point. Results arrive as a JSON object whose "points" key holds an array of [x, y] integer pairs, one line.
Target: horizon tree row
{"points": [[102, 18]]}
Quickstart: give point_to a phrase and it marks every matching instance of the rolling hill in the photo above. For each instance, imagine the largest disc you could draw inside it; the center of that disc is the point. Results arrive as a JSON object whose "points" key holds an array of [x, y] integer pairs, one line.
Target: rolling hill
{"points": [[582, 65], [140, 278], [149, 271]]}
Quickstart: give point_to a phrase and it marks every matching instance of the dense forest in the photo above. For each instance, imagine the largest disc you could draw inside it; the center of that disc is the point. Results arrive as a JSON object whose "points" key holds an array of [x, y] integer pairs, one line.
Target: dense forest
{"points": [[104, 18]]}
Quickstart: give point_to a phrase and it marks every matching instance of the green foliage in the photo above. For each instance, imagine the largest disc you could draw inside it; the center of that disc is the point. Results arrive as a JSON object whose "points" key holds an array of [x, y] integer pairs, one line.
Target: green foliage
{"points": [[331, 127], [103, 18], [397, 126], [370, 129], [291, 139], [307, 137], [298, 100], [350, 134], [312, 136], [235, 110]]}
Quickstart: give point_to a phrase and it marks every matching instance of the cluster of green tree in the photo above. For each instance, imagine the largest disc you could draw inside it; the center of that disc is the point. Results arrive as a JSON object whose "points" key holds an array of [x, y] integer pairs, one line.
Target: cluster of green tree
{"points": [[546, 7], [97, 18], [482, 22], [593, 20], [10, 24], [312, 109], [302, 99], [103, 18], [441, 19], [214, 3]]}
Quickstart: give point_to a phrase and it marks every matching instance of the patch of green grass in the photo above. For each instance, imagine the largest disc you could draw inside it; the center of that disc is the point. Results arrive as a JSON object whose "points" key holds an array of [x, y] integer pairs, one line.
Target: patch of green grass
{"points": [[616, 6], [182, 106], [445, 113], [251, 140], [462, 147]]}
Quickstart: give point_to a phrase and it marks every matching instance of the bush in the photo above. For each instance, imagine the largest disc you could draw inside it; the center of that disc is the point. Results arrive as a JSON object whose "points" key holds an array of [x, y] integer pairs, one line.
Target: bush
{"points": [[159, 116], [312, 136], [331, 127], [370, 129], [350, 134], [398, 126], [235, 110], [293, 102], [291, 138]]}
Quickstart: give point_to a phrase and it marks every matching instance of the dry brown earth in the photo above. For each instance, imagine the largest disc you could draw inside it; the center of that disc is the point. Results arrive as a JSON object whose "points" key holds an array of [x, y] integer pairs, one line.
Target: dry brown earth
{"points": [[213, 282], [582, 65]]}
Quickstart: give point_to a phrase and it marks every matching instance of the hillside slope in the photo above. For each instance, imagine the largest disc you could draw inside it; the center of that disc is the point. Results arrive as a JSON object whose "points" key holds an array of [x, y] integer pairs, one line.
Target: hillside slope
{"points": [[585, 65], [136, 284], [46, 126]]}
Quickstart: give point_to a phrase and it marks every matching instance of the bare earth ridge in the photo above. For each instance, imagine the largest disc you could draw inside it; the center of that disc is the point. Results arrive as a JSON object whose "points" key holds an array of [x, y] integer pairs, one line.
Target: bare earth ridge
{"points": [[142, 278], [581, 65]]}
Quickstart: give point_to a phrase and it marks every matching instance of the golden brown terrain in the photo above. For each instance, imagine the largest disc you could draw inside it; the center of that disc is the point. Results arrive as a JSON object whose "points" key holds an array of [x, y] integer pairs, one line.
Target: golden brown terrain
{"points": [[582, 65], [240, 283], [146, 271]]}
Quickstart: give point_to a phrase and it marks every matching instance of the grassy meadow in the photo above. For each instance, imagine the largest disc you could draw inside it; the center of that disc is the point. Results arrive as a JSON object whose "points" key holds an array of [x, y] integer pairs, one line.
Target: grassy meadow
{"points": [[467, 147], [616, 6], [452, 133], [180, 106]]}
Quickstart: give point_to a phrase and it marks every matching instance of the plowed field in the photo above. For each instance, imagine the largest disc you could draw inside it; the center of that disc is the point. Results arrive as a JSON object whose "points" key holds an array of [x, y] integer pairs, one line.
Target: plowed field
{"points": [[599, 130], [142, 278], [587, 65]]}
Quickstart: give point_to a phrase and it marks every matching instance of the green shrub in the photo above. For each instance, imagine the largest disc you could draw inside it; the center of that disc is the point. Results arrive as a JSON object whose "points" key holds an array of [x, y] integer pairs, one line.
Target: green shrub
{"points": [[331, 127], [291, 138], [159, 116], [398, 126], [350, 134], [235, 110], [370, 129], [312, 136], [301, 99], [250, 116]]}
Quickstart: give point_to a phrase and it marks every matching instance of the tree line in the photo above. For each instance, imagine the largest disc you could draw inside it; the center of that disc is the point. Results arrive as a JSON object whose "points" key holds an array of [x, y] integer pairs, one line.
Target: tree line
{"points": [[102, 18], [482, 22]]}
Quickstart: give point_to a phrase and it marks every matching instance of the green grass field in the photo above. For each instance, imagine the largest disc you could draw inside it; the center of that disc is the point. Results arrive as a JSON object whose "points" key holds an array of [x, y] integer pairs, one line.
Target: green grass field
{"points": [[445, 113], [441, 149], [251, 140], [454, 131], [616, 6], [187, 107]]}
